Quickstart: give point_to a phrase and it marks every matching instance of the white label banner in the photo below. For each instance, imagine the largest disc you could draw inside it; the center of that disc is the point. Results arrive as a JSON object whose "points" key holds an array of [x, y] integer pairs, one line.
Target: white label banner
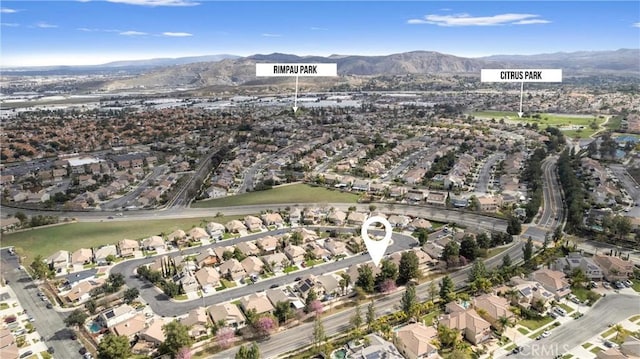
{"points": [[521, 75], [296, 69]]}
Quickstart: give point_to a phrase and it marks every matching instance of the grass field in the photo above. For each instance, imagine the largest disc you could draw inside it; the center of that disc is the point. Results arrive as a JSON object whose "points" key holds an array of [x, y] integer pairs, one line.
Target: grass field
{"points": [[297, 193], [532, 324], [72, 236], [549, 120]]}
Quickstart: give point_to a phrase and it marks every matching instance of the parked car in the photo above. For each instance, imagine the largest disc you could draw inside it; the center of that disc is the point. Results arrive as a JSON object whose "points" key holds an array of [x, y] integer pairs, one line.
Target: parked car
{"points": [[273, 286], [49, 305], [51, 350], [545, 334], [618, 285], [608, 344], [82, 351], [593, 284], [606, 285], [26, 354], [560, 311], [517, 350], [628, 283]]}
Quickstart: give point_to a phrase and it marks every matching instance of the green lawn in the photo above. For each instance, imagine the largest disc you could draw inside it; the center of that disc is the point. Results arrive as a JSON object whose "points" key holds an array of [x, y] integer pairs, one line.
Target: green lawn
{"points": [[297, 193], [546, 120], [524, 331], [290, 269], [565, 307], [535, 324], [636, 285], [72, 236], [313, 262], [510, 347], [608, 332], [587, 345], [228, 283], [581, 293], [428, 318], [634, 318], [596, 350]]}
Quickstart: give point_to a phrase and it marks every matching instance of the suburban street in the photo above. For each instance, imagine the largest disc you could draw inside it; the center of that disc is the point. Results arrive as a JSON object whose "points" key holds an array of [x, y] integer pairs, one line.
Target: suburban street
{"points": [[48, 322], [610, 309], [485, 173], [159, 302], [288, 340], [552, 214]]}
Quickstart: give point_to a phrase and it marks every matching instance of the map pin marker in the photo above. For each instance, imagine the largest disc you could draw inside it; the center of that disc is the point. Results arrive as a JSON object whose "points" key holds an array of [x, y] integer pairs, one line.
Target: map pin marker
{"points": [[376, 248]]}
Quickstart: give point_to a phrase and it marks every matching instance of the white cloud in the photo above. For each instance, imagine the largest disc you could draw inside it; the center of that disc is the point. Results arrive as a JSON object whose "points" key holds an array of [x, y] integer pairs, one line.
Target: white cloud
{"points": [[156, 2], [267, 34], [531, 22], [10, 24], [636, 24], [133, 33], [6, 10], [44, 25], [177, 34], [468, 20]]}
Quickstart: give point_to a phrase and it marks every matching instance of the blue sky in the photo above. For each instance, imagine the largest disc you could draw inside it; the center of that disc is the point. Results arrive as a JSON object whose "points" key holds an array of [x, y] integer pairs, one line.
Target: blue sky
{"points": [[94, 32]]}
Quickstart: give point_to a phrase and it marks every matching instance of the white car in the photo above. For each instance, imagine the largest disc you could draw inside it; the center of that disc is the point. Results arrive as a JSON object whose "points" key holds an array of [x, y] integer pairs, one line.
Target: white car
{"points": [[546, 333]]}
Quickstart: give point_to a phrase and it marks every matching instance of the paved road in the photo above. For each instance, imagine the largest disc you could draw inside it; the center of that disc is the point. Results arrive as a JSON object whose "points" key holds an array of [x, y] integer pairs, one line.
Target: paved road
{"points": [[302, 335], [128, 198], [552, 206], [632, 187], [48, 322], [485, 173], [610, 309], [161, 304]]}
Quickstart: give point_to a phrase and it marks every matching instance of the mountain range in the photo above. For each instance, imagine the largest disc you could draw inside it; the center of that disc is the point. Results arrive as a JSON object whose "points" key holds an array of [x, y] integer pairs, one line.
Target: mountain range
{"points": [[230, 70]]}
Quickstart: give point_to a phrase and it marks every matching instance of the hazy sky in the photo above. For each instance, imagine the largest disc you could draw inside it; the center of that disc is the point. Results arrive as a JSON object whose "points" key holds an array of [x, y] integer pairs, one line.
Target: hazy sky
{"points": [[94, 32]]}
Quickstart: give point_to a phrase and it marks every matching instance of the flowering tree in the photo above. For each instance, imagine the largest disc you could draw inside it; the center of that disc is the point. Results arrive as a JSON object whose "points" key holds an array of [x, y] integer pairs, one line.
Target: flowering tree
{"points": [[184, 353], [317, 307], [224, 337], [388, 286], [265, 325]]}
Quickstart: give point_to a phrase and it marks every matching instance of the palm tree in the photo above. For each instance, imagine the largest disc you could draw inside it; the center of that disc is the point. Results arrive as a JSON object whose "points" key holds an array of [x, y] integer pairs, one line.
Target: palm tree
{"points": [[512, 295], [504, 322], [620, 332]]}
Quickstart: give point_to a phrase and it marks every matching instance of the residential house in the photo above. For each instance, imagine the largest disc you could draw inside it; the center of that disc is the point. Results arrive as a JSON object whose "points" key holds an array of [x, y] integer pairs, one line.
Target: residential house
{"points": [[206, 258], [154, 243], [311, 217], [252, 265], [489, 203], [285, 296], [268, 244], [495, 307], [317, 251], [575, 260], [360, 185], [209, 279], [272, 219], [306, 284], [258, 302], [472, 326], [423, 258], [531, 292], [295, 216], [128, 247], [8, 344], [198, 234], [82, 256], [113, 316], [187, 280], [377, 348], [614, 268], [294, 253], [335, 247], [329, 284], [399, 221], [233, 269], [59, 260], [100, 255], [437, 199], [630, 349], [153, 334], [198, 321], [130, 327], [306, 234], [81, 292], [356, 218], [248, 248], [219, 251], [337, 218], [235, 226], [434, 250], [253, 223], [227, 313], [415, 340], [215, 230], [277, 261], [553, 281], [176, 236]]}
